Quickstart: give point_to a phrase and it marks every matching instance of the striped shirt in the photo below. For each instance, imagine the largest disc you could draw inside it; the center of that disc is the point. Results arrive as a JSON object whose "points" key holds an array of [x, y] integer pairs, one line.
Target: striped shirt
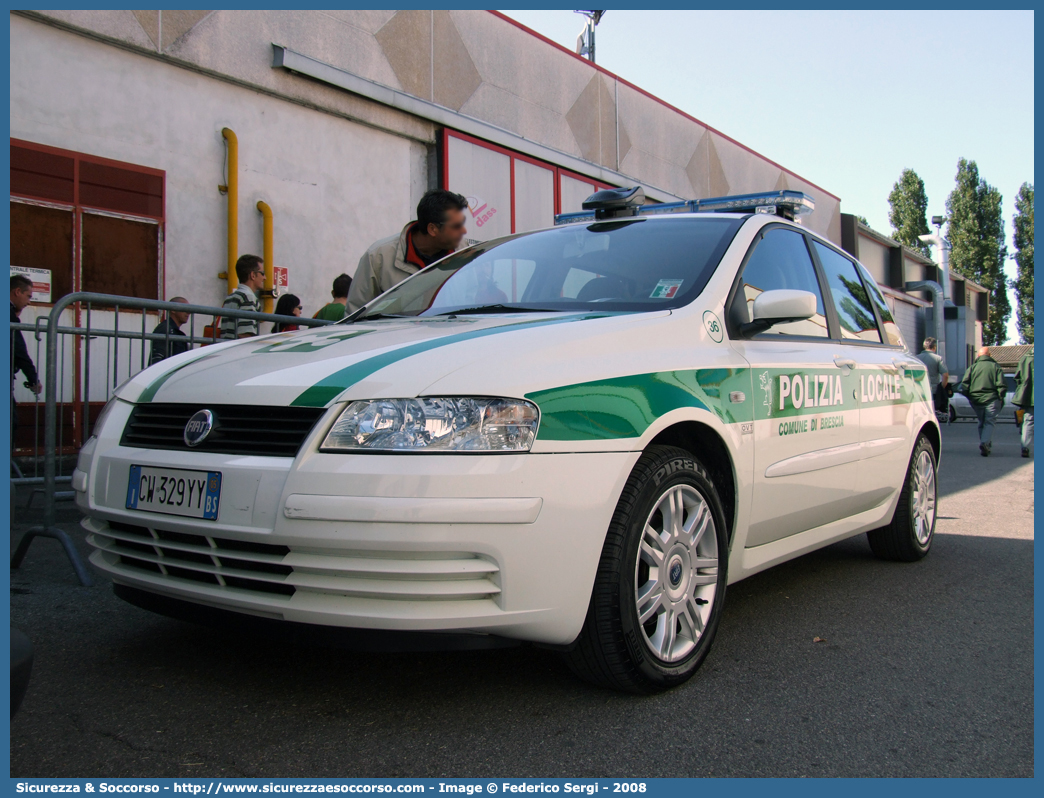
{"points": [[241, 299]]}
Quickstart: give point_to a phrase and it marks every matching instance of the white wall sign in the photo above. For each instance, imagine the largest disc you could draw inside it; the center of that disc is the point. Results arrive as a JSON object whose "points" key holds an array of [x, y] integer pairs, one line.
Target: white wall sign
{"points": [[41, 282]]}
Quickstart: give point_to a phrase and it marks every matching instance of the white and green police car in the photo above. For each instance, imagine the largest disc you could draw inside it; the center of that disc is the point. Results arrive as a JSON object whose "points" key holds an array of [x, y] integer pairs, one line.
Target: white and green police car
{"points": [[576, 437]]}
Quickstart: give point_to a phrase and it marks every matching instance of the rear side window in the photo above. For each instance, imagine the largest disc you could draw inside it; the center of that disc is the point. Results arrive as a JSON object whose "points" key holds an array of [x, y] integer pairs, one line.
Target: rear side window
{"points": [[781, 260], [892, 335], [851, 298]]}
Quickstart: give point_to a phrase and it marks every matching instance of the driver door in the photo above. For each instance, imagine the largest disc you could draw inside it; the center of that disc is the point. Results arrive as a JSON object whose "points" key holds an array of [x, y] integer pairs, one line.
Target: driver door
{"points": [[806, 429]]}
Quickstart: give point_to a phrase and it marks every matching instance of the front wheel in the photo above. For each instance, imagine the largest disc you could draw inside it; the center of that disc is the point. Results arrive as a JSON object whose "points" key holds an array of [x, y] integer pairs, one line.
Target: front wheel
{"points": [[660, 584], [909, 535]]}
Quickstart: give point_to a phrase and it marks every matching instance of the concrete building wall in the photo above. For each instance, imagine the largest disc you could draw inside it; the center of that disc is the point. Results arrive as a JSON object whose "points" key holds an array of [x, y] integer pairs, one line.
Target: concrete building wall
{"points": [[918, 269], [334, 185], [476, 63], [874, 255], [910, 318]]}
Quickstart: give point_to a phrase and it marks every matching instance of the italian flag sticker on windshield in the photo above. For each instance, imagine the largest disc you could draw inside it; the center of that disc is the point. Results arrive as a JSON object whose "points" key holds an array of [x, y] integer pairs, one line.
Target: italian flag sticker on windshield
{"points": [[666, 289]]}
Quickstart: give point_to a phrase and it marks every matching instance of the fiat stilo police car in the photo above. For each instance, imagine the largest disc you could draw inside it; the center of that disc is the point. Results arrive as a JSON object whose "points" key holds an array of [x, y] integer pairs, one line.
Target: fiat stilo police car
{"points": [[575, 437]]}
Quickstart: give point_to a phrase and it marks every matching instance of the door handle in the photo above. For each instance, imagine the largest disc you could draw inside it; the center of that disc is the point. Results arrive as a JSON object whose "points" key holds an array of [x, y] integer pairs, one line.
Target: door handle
{"points": [[844, 363], [900, 365]]}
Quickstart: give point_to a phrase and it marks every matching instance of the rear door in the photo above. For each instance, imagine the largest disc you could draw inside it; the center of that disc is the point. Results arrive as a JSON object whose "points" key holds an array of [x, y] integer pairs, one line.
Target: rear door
{"points": [[806, 445], [885, 388]]}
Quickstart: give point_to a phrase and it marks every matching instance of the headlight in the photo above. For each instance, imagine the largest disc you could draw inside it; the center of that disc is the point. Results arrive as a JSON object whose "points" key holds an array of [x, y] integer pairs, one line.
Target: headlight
{"points": [[461, 424]]}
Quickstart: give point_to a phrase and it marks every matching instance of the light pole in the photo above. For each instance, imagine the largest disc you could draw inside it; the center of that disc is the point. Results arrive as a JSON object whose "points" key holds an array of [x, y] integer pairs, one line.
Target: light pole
{"points": [[942, 252], [585, 42]]}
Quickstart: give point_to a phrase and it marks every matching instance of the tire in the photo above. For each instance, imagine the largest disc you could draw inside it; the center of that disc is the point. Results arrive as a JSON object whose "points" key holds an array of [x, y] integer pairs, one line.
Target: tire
{"points": [[681, 597], [909, 535], [953, 414]]}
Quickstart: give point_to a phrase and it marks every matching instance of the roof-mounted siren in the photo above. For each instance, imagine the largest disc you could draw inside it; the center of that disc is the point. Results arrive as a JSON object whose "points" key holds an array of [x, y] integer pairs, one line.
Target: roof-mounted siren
{"points": [[612, 203], [790, 205]]}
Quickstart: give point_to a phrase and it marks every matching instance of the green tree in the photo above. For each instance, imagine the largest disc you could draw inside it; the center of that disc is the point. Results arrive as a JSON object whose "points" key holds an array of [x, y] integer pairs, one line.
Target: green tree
{"points": [[909, 211], [1022, 285], [976, 234]]}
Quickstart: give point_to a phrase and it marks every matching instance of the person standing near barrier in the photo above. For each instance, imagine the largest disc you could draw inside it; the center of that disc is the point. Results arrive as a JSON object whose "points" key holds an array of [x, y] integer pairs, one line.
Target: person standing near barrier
{"points": [[938, 375], [1024, 398], [171, 328], [21, 295], [983, 384], [250, 270], [288, 305], [437, 232], [337, 310]]}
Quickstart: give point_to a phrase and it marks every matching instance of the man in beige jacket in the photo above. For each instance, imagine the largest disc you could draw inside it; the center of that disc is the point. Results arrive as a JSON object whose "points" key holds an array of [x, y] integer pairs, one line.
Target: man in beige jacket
{"points": [[437, 231]]}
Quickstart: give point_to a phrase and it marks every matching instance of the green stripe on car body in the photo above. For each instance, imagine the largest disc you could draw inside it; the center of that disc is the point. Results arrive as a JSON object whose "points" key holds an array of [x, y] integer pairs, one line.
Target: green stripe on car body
{"points": [[789, 392], [150, 392], [328, 388], [625, 407]]}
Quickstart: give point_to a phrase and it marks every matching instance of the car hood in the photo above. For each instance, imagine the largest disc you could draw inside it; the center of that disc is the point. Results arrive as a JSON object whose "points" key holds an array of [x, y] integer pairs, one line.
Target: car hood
{"points": [[378, 359]]}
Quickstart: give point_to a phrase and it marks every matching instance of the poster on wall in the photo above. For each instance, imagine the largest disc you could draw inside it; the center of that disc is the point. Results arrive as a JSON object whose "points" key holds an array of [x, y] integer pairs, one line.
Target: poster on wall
{"points": [[483, 176], [280, 280], [41, 282], [508, 192]]}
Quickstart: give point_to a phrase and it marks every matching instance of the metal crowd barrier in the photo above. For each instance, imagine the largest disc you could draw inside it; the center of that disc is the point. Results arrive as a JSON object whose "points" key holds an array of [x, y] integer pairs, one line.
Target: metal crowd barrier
{"points": [[65, 352]]}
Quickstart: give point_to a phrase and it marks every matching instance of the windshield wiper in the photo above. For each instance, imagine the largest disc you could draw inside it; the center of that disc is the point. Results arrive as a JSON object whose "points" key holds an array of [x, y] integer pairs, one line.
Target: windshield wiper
{"points": [[497, 308], [372, 316]]}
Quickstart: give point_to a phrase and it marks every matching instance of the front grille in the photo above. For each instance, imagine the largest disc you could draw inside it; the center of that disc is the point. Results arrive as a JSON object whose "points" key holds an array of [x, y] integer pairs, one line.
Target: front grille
{"points": [[274, 569], [199, 558], [268, 431]]}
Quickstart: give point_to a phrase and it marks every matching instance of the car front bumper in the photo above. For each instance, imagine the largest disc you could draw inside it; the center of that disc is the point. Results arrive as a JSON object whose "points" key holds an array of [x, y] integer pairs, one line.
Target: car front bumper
{"points": [[487, 544]]}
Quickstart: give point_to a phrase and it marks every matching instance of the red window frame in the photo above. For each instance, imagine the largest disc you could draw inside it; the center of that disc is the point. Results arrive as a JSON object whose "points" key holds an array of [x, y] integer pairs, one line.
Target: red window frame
{"points": [[513, 156], [77, 206]]}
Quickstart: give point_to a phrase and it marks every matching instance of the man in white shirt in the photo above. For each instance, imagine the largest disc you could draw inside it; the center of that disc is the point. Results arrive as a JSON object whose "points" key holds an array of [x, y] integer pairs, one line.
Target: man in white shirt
{"points": [[250, 270]]}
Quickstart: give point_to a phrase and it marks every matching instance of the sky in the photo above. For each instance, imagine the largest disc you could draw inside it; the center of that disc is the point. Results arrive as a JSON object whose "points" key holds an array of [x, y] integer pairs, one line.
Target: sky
{"points": [[846, 100]]}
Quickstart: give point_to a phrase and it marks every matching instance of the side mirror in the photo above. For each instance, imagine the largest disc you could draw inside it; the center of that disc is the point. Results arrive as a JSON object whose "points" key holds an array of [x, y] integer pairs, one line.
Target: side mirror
{"points": [[779, 307]]}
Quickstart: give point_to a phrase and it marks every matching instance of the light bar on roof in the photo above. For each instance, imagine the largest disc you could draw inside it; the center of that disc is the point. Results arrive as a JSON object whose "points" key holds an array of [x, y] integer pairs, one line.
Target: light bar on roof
{"points": [[788, 204], [795, 203]]}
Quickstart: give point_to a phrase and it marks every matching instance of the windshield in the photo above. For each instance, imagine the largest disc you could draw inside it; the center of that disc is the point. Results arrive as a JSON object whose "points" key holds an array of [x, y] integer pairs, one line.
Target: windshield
{"points": [[619, 265]]}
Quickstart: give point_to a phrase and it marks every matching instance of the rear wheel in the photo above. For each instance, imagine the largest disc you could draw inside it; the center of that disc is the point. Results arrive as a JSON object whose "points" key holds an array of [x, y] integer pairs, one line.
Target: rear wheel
{"points": [[660, 584], [909, 535]]}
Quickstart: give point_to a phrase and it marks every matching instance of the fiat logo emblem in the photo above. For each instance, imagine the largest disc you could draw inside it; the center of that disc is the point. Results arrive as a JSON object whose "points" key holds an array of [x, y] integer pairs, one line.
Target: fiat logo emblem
{"points": [[198, 428]]}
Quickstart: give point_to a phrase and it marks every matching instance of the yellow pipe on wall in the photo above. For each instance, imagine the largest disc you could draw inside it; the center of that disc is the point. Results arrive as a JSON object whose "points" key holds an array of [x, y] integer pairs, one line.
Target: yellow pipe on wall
{"points": [[233, 205], [266, 253]]}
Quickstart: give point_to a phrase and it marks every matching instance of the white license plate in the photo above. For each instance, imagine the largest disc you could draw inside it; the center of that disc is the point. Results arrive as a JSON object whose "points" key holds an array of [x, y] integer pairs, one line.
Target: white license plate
{"points": [[174, 491]]}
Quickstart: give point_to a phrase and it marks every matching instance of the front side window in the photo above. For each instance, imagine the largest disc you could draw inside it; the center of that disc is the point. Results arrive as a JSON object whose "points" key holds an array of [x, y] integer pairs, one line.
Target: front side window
{"points": [[781, 260], [632, 264], [851, 298]]}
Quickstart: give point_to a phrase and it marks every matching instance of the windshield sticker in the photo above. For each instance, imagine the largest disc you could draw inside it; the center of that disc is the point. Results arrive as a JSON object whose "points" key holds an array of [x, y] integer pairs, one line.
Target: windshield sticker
{"points": [[666, 289]]}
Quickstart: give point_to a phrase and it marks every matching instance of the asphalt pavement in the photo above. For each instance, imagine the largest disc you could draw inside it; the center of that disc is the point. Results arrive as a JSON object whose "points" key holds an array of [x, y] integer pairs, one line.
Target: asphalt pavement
{"points": [[924, 669]]}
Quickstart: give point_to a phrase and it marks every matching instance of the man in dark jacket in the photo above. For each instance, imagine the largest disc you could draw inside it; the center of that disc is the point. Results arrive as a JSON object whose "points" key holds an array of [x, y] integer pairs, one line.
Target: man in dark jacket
{"points": [[176, 341], [21, 294], [983, 384], [1024, 398]]}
